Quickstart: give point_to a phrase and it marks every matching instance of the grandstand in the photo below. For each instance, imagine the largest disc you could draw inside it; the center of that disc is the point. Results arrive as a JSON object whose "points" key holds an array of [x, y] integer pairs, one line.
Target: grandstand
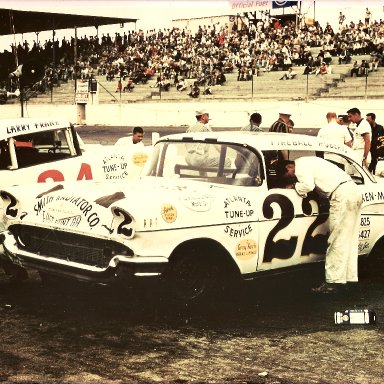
{"points": [[266, 86], [167, 54]]}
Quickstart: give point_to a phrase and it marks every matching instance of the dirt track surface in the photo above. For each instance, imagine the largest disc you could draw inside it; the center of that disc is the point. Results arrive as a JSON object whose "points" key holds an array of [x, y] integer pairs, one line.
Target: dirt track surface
{"points": [[274, 330]]}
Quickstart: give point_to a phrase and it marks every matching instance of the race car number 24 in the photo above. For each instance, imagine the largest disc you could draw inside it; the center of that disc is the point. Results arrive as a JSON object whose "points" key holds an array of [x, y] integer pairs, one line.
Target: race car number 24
{"points": [[85, 173]]}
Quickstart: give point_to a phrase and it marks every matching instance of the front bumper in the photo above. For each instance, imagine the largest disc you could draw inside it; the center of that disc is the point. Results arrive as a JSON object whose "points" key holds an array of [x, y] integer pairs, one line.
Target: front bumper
{"points": [[120, 268]]}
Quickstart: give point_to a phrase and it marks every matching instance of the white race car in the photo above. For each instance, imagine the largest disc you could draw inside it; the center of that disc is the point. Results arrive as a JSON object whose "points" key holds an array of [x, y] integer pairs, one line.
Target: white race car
{"points": [[193, 221], [44, 150]]}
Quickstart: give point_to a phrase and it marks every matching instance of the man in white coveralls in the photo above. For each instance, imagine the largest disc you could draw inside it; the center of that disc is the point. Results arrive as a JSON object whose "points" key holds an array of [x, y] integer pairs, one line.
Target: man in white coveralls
{"points": [[310, 173]]}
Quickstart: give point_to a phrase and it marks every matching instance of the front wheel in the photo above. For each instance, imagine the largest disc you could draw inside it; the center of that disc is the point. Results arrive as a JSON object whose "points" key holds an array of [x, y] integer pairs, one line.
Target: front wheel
{"points": [[15, 273], [193, 278]]}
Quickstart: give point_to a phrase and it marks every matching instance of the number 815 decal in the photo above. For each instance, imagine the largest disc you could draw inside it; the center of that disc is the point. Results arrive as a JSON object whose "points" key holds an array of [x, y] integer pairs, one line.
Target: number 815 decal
{"points": [[285, 248]]}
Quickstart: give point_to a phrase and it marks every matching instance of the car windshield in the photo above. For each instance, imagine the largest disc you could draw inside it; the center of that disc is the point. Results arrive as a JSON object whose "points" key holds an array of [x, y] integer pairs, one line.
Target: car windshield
{"points": [[206, 161]]}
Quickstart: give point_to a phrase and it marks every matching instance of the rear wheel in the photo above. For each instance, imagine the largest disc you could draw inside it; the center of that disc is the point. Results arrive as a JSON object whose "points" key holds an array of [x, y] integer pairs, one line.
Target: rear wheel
{"points": [[373, 264]]}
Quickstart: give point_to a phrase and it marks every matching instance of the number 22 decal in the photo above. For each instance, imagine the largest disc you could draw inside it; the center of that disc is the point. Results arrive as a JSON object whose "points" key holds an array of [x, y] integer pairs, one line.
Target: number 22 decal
{"points": [[10, 209], [285, 248]]}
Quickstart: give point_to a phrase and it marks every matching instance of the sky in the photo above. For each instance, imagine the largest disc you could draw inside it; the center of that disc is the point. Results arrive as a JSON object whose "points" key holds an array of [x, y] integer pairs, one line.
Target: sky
{"points": [[156, 14]]}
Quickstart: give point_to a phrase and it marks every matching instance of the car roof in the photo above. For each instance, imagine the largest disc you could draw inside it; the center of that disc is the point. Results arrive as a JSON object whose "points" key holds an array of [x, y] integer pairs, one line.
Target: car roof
{"points": [[25, 125], [264, 141]]}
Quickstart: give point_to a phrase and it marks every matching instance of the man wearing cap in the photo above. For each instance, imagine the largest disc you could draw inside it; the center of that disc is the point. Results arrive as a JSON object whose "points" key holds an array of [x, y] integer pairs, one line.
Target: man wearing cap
{"points": [[282, 125], [198, 153], [201, 125]]}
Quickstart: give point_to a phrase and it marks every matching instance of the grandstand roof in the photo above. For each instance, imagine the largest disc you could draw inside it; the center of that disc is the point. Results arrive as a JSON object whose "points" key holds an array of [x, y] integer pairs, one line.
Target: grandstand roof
{"points": [[15, 21]]}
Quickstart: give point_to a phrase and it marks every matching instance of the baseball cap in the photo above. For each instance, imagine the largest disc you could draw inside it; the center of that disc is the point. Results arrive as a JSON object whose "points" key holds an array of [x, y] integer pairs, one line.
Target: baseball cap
{"points": [[285, 111], [201, 112]]}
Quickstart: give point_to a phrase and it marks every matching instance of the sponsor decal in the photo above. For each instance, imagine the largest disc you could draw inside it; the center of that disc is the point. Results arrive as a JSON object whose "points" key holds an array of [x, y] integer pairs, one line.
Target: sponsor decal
{"points": [[323, 145], [168, 213], [199, 203], [115, 167], [364, 234], [139, 159], [372, 196], [48, 208], [238, 208], [20, 128], [246, 249]]}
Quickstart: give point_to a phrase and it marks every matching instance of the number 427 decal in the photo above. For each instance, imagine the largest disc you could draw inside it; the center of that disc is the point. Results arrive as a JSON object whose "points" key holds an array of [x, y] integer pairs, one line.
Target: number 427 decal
{"points": [[285, 248]]}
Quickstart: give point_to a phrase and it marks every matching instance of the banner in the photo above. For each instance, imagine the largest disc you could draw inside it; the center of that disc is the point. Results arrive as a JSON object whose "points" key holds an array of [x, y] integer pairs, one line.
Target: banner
{"points": [[283, 4], [239, 6]]}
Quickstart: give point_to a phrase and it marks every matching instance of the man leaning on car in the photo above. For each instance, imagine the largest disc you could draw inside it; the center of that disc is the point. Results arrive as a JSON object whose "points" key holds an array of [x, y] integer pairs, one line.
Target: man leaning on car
{"points": [[310, 173]]}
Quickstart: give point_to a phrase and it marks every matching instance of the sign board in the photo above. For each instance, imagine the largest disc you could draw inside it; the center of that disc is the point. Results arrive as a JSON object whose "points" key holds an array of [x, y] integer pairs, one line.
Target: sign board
{"points": [[81, 92], [249, 5]]}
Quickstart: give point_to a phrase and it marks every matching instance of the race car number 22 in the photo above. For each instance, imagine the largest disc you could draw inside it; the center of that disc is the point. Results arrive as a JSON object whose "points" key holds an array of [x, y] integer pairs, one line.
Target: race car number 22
{"points": [[285, 248]]}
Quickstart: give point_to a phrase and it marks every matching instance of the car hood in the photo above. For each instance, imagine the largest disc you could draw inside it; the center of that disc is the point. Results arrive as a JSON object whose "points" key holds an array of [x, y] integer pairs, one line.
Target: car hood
{"points": [[134, 205]]}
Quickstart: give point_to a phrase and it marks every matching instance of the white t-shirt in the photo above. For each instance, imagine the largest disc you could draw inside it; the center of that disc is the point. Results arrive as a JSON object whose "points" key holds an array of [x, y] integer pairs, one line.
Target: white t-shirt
{"points": [[128, 141], [358, 140], [336, 132]]}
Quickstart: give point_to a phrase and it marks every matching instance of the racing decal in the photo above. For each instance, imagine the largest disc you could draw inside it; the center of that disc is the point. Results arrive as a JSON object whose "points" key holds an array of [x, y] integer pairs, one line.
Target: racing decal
{"points": [[285, 248], [292, 142], [124, 228], [50, 174], [10, 208], [54, 189], [85, 173], [315, 243], [282, 248], [364, 234], [168, 213], [107, 201], [139, 159], [198, 202], [48, 208], [246, 249], [238, 208], [115, 167], [370, 197], [30, 126], [150, 223]]}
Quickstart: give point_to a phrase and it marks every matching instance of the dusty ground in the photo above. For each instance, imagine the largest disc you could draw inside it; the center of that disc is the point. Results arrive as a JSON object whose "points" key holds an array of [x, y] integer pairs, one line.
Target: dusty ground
{"points": [[270, 331]]}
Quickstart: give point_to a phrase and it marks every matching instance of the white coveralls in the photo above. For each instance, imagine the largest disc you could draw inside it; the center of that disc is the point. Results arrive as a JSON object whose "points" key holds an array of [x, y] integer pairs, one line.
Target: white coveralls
{"points": [[198, 153], [314, 173]]}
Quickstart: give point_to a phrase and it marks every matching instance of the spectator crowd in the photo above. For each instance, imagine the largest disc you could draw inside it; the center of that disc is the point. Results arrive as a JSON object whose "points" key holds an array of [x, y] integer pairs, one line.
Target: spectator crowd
{"points": [[170, 56]]}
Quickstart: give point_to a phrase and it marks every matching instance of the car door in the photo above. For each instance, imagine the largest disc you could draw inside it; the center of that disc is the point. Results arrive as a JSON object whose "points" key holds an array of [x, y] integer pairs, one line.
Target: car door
{"points": [[293, 230]]}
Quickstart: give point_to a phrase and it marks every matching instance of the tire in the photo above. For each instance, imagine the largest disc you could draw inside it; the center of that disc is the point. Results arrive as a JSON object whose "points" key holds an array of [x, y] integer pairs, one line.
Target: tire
{"points": [[192, 277], [15, 273], [373, 264]]}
